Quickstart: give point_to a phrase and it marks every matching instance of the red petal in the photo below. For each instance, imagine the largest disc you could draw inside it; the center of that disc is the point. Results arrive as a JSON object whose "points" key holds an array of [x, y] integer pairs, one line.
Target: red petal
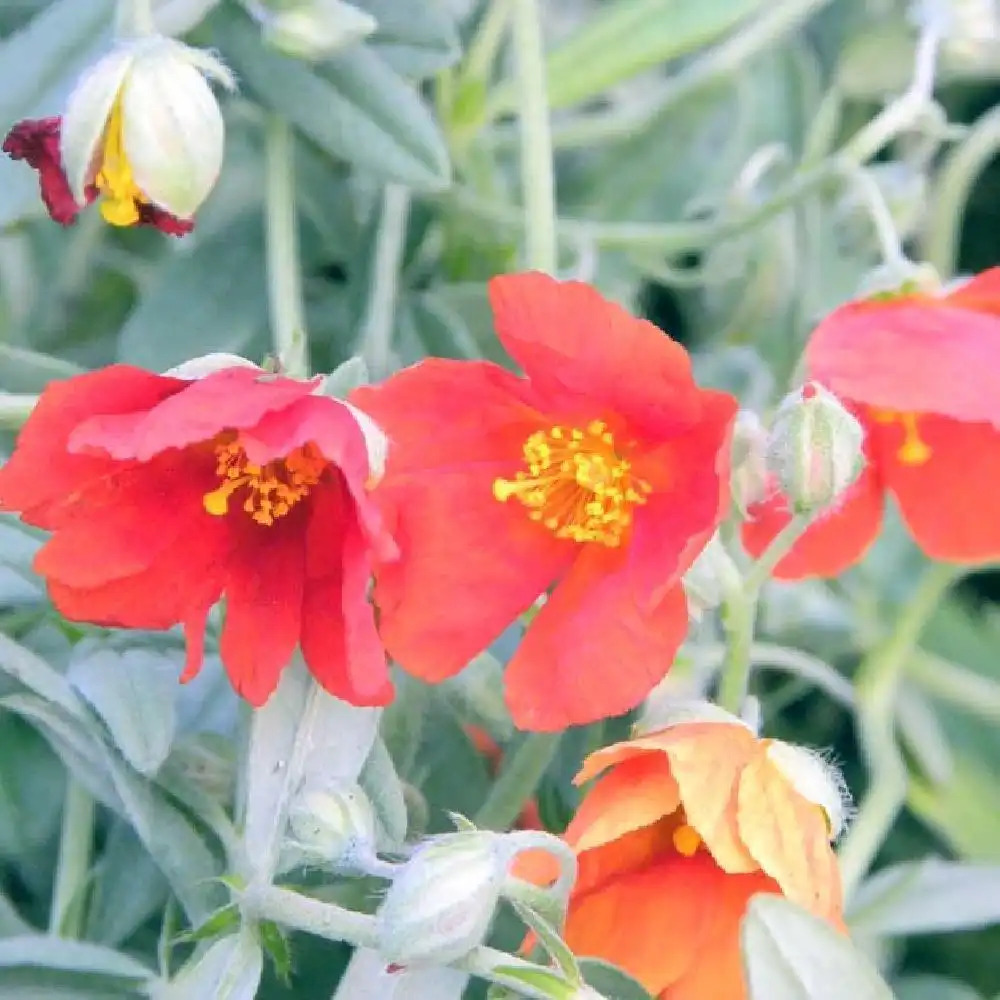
{"points": [[981, 293], [674, 525], [838, 539], [265, 583], [575, 346], [913, 354], [232, 398], [159, 218], [42, 444], [339, 639], [470, 565], [37, 143], [592, 652], [947, 502], [449, 413]]}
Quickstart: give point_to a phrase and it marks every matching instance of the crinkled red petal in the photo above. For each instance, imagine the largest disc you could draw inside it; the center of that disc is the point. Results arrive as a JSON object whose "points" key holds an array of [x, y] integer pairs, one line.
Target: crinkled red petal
{"points": [[36, 141], [159, 218]]}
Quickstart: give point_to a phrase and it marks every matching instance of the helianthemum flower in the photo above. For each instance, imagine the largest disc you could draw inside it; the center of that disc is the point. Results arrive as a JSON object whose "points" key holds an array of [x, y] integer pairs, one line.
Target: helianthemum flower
{"points": [[680, 829], [164, 494], [922, 374], [141, 131], [600, 471]]}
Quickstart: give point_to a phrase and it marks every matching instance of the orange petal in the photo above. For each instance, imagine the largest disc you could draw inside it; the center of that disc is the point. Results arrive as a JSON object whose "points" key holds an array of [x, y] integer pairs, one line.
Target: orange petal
{"points": [[788, 836]]}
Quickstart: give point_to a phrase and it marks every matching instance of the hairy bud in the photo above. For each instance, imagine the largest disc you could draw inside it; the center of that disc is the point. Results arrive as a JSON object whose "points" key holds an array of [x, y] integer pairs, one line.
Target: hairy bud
{"points": [[815, 449], [336, 825]]}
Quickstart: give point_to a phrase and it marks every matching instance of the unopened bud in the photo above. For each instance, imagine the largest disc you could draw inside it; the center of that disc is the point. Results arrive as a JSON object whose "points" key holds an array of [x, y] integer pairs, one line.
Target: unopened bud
{"points": [[710, 578], [748, 482], [816, 448], [815, 779], [312, 29], [899, 277], [336, 825], [440, 906]]}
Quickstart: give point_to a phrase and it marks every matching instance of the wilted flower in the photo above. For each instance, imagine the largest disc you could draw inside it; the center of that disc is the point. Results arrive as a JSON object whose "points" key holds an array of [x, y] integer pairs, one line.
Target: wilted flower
{"points": [[602, 470], [922, 375], [164, 494], [680, 829], [441, 904], [142, 131]]}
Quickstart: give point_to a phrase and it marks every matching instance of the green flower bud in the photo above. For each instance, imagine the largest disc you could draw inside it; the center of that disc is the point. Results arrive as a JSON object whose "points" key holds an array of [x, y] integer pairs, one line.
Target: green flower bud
{"points": [[335, 825], [709, 578], [816, 448], [311, 29], [440, 906]]}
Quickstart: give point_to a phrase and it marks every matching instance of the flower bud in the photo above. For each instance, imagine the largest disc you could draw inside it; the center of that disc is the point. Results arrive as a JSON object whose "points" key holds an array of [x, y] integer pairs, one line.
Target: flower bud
{"points": [[816, 448], [143, 129], [709, 578], [336, 825], [815, 779], [312, 29], [748, 482], [441, 904]]}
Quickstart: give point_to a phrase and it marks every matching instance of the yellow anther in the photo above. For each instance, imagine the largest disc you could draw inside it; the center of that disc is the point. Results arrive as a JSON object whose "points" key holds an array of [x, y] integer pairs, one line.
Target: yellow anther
{"points": [[576, 484], [272, 490], [122, 197], [686, 840], [914, 450]]}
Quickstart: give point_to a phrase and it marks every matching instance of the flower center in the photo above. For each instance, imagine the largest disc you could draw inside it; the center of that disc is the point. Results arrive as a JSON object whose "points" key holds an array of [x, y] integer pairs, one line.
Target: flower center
{"points": [[577, 484], [271, 490], [686, 840], [122, 198], [914, 450]]}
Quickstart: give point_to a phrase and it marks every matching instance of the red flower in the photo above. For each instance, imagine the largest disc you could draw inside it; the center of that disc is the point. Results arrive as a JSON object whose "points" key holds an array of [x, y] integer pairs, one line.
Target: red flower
{"points": [[164, 494], [37, 143], [601, 471], [923, 376]]}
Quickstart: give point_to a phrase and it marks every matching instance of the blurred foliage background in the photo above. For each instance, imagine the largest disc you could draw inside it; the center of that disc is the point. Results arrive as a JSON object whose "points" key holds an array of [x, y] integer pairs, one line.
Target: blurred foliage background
{"points": [[701, 179]]}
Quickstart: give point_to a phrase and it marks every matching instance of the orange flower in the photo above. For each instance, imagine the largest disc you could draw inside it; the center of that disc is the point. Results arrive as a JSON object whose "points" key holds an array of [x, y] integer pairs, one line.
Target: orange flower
{"points": [[922, 374], [681, 828], [598, 475], [164, 494]]}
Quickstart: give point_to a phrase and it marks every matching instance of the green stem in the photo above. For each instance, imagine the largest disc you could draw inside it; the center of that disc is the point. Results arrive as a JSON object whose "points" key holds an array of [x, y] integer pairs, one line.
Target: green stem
{"points": [[335, 923], [15, 408], [951, 682], [877, 687], [283, 271], [740, 614], [955, 179], [486, 42], [518, 781], [390, 242], [73, 865], [537, 180]]}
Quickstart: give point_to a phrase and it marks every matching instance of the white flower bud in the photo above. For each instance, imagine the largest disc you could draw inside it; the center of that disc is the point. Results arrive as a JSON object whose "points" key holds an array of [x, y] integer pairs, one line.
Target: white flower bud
{"points": [[336, 825], [143, 126], [816, 448], [748, 482], [815, 779], [441, 904], [312, 29], [709, 578]]}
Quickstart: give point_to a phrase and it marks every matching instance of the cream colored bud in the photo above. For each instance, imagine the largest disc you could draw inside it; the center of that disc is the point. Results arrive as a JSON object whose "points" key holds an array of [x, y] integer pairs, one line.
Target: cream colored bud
{"points": [[710, 578], [816, 448], [815, 779], [441, 904], [313, 29], [748, 482], [336, 824], [143, 126]]}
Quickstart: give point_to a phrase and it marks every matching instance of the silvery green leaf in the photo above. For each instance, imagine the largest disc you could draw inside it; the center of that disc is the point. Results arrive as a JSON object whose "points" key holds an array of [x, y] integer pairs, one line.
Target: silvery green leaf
{"points": [[790, 954], [368, 978], [381, 784], [301, 737], [610, 981], [35, 674], [135, 694], [35, 951], [927, 897], [229, 970], [933, 988], [12, 924]]}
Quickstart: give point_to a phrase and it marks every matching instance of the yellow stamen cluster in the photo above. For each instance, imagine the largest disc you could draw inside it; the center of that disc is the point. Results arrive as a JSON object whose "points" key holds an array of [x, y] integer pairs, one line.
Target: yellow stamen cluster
{"points": [[272, 489], [576, 484], [122, 197], [914, 450]]}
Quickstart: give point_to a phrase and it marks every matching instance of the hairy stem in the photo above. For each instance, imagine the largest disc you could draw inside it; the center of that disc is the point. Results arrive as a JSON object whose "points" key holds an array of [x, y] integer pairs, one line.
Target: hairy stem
{"points": [[518, 781], [73, 865]]}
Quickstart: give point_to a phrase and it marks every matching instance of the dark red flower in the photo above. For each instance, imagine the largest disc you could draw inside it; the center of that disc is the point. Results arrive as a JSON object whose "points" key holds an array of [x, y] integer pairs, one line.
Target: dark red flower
{"points": [[601, 471], [922, 373], [37, 143], [163, 495]]}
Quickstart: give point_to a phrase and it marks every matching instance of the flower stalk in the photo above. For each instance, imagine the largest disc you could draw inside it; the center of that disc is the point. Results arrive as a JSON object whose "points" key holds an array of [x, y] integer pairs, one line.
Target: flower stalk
{"points": [[73, 866], [518, 781]]}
